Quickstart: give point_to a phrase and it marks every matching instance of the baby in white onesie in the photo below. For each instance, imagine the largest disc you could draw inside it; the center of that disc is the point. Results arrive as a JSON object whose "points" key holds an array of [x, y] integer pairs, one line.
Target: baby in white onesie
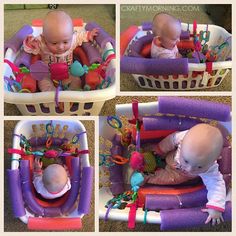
{"points": [[166, 30], [52, 182]]}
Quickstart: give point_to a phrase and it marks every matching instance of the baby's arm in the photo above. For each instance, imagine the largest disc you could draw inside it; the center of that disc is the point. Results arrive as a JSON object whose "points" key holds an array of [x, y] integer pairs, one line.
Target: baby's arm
{"points": [[31, 45], [216, 194], [169, 143], [85, 36], [37, 167]]}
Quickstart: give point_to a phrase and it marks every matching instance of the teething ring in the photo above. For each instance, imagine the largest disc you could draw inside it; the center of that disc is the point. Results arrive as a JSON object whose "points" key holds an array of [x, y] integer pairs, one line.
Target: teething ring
{"points": [[49, 142], [119, 159]]}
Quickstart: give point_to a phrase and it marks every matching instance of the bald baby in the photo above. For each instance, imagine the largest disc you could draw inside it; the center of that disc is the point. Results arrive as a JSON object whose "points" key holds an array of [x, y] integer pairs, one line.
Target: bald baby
{"points": [[57, 31], [200, 148], [54, 178]]}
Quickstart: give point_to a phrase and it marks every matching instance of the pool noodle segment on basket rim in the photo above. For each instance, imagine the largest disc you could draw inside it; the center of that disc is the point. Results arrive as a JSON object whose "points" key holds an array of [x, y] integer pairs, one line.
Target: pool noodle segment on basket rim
{"points": [[103, 37], [169, 123], [186, 218], [15, 42], [195, 108]]}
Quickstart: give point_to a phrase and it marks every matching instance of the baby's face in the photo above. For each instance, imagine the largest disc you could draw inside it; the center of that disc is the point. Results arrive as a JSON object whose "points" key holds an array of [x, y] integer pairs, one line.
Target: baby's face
{"points": [[194, 163], [58, 41], [200, 148], [170, 35]]}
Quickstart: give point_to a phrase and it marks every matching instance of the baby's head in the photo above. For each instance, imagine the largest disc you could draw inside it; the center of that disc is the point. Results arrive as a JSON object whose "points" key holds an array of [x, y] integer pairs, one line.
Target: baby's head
{"points": [[200, 148], [54, 178], [167, 28], [57, 31]]}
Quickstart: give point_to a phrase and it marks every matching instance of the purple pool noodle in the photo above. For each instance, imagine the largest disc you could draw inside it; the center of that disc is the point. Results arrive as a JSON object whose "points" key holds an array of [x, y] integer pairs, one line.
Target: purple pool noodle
{"points": [[17, 39], [26, 189], [186, 218], [225, 162], [136, 47], [92, 53], [169, 123], [196, 108], [166, 201], [37, 141], [194, 60], [184, 35], [117, 139], [146, 26], [52, 212], [15, 192], [24, 58], [153, 66], [116, 173], [86, 190], [103, 37], [75, 186]]}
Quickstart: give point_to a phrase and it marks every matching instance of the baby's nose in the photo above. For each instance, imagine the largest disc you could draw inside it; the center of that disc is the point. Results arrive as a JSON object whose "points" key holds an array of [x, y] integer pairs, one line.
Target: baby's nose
{"points": [[60, 46]]}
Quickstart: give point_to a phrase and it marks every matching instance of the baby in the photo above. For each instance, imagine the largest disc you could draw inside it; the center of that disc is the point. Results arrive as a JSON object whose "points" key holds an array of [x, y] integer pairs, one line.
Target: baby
{"points": [[193, 153], [166, 30], [52, 182], [56, 44]]}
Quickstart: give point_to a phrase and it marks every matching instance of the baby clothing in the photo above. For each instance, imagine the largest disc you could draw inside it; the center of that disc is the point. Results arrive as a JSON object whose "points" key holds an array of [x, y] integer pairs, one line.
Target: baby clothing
{"points": [[36, 45], [39, 186], [157, 51], [172, 174]]}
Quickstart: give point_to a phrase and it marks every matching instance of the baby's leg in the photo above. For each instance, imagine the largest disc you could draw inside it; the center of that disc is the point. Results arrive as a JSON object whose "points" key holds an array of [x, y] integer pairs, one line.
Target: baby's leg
{"points": [[75, 83], [46, 85], [167, 176]]}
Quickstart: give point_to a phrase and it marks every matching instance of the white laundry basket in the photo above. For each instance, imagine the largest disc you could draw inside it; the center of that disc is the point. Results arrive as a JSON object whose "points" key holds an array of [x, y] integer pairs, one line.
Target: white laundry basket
{"points": [[197, 77], [75, 102], [45, 221], [107, 134]]}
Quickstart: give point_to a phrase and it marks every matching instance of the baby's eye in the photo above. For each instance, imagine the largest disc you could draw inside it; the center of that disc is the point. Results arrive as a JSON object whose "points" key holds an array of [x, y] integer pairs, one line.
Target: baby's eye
{"points": [[186, 161], [54, 43], [65, 42], [199, 167]]}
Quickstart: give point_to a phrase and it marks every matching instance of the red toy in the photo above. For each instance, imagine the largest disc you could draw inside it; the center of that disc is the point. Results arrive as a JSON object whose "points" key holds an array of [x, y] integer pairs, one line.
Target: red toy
{"points": [[59, 71], [93, 79], [137, 161]]}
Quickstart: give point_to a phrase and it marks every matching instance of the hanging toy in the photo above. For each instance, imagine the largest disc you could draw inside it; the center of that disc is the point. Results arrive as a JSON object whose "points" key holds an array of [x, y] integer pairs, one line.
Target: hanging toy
{"points": [[76, 69], [137, 161], [136, 181], [126, 134]]}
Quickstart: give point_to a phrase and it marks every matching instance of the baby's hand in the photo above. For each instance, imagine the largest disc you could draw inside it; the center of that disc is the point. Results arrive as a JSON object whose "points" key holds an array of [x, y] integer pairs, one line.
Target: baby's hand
{"points": [[214, 216], [38, 164], [92, 34]]}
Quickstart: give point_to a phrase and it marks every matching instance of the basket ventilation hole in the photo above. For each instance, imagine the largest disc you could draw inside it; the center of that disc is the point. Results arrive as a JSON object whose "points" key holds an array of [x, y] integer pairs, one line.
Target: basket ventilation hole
{"points": [[74, 107], [43, 108], [175, 85], [184, 84], [88, 105], [31, 108], [218, 80], [141, 80], [166, 85], [149, 83], [158, 84], [193, 84]]}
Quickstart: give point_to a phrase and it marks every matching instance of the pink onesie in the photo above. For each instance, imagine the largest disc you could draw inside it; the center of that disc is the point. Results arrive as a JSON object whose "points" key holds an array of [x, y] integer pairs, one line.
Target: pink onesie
{"points": [[157, 51], [36, 46], [212, 178]]}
